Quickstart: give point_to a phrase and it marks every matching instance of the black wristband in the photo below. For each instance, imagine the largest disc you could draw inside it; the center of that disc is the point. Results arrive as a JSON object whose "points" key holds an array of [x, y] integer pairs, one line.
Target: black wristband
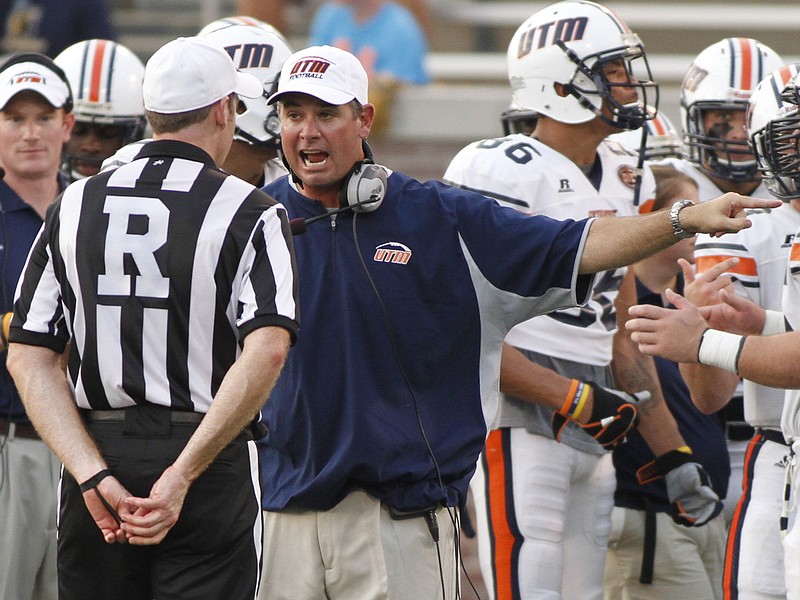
{"points": [[672, 460], [94, 480]]}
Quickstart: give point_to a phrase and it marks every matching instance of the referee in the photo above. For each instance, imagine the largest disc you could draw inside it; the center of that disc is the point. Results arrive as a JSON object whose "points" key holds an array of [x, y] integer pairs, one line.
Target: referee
{"points": [[173, 286]]}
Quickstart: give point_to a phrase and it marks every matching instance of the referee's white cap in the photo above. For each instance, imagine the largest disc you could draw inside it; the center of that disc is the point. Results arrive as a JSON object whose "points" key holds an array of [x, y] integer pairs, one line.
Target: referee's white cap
{"points": [[331, 74], [189, 73]]}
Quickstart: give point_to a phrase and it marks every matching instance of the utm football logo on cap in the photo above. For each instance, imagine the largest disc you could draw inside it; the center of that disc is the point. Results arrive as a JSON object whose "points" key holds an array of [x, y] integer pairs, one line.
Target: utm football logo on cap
{"points": [[327, 73], [28, 77], [313, 67]]}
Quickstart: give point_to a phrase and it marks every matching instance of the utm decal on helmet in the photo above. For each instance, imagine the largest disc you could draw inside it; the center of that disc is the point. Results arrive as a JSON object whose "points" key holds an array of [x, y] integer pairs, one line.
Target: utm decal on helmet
{"points": [[722, 78], [259, 49], [392, 252], [557, 60], [563, 30]]}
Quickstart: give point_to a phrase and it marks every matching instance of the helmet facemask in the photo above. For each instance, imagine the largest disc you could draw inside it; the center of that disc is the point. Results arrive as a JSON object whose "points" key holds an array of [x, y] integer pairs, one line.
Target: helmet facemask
{"points": [[132, 130], [712, 152], [593, 90], [777, 149]]}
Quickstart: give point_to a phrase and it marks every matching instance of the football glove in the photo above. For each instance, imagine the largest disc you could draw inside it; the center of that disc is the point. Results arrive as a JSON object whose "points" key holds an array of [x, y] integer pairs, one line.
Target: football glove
{"points": [[688, 486], [614, 414]]}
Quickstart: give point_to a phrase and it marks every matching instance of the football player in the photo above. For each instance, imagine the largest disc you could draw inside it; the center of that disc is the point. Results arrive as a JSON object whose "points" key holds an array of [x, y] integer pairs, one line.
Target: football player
{"points": [[716, 91], [106, 81], [543, 507]]}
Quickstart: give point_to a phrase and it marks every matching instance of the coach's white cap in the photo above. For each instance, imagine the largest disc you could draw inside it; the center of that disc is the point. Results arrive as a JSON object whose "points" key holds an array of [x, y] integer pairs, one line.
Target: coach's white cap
{"points": [[333, 75], [189, 73], [36, 77]]}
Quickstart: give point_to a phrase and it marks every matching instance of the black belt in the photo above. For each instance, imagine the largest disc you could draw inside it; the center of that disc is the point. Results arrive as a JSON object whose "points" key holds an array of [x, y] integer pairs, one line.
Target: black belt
{"points": [[118, 416], [739, 431], [773, 435], [20, 430]]}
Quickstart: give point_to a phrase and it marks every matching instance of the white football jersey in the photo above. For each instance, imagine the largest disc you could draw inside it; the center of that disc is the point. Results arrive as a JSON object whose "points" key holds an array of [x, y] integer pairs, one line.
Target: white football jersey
{"points": [[525, 174], [790, 419], [707, 189]]}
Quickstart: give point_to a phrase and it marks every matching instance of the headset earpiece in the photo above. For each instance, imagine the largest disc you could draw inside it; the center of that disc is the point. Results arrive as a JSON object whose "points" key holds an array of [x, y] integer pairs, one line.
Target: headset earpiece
{"points": [[364, 187], [45, 61]]}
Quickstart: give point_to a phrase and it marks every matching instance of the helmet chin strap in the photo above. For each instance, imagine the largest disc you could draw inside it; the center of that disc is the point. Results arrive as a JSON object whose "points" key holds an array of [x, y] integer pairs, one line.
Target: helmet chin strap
{"points": [[295, 178], [637, 189]]}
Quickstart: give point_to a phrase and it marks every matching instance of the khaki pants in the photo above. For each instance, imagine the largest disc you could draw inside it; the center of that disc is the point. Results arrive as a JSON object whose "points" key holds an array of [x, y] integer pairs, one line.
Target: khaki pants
{"points": [[356, 550], [688, 560]]}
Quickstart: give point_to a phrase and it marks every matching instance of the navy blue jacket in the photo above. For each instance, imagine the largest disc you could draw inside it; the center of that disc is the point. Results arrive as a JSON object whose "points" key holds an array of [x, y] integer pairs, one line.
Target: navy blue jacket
{"points": [[402, 326]]}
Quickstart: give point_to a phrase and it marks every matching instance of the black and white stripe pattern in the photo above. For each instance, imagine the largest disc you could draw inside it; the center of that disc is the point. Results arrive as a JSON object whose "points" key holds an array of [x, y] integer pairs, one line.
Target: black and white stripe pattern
{"points": [[157, 271]]}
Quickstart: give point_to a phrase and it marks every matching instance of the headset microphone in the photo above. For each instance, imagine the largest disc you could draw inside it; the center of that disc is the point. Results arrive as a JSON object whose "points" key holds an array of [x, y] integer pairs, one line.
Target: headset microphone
{"points": [[299, 225]]}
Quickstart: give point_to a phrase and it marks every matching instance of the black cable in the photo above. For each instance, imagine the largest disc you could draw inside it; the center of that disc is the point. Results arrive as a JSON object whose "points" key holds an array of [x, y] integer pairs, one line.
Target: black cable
{"points": [[637, 188], [407, 380], [396, 354]]}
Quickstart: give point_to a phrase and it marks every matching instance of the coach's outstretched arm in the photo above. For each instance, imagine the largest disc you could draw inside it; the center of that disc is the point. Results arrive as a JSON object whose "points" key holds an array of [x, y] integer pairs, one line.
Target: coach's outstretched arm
{"points": [[617, 241]]}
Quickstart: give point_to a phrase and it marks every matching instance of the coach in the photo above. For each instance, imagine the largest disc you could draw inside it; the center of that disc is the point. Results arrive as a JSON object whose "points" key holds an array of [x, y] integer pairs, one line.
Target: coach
{"points": [[173, 285]]}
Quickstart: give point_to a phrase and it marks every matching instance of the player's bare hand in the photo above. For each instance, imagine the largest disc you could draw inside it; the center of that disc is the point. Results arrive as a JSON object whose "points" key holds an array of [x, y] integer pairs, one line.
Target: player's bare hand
{"points": [[155, 515], [702, 289], [672, 333], [735, 314], [724, 214]]}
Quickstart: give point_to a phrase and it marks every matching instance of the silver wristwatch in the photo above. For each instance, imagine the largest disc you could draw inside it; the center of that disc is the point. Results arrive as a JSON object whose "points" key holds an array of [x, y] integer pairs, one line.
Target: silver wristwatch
{"points": [[679, 231]]}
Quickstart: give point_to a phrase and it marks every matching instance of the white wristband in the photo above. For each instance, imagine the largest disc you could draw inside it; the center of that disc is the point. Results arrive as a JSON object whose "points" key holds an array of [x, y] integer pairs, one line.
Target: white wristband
{"points": [[720, 349], [774, 323]]}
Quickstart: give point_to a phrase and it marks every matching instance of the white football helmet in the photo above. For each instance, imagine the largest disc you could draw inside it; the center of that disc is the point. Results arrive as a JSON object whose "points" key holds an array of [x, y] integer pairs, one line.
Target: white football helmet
{"points": [[773, 124], [722, 77], [261, 50], [516, 119], [570, 43], [106, 80], [663, 140], [237, 20]]}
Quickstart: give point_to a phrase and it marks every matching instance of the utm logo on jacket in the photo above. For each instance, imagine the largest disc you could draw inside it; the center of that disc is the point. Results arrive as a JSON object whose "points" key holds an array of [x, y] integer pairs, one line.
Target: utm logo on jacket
{"points": [[392, 252], [311, 67]]}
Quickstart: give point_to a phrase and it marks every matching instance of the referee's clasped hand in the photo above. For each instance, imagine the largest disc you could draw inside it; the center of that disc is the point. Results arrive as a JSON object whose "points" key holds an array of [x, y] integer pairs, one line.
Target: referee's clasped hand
{"points": [[153, 517]]}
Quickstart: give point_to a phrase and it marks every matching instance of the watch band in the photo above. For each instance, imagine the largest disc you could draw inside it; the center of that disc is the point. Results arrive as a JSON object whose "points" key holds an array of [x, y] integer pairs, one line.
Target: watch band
{"points": [[675, 221]]}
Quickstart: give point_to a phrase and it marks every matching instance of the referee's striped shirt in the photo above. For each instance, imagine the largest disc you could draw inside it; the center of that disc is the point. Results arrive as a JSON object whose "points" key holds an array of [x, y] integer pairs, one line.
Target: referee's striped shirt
{"points": [[156, 272]]}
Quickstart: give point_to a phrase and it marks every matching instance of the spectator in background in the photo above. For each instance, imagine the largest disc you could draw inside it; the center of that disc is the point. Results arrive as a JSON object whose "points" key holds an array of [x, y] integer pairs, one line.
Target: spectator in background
{"points": [[269, 11], [275, 12], [690, 559], [384, 36], [55, 24], [65, 23], [386, 39]]}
